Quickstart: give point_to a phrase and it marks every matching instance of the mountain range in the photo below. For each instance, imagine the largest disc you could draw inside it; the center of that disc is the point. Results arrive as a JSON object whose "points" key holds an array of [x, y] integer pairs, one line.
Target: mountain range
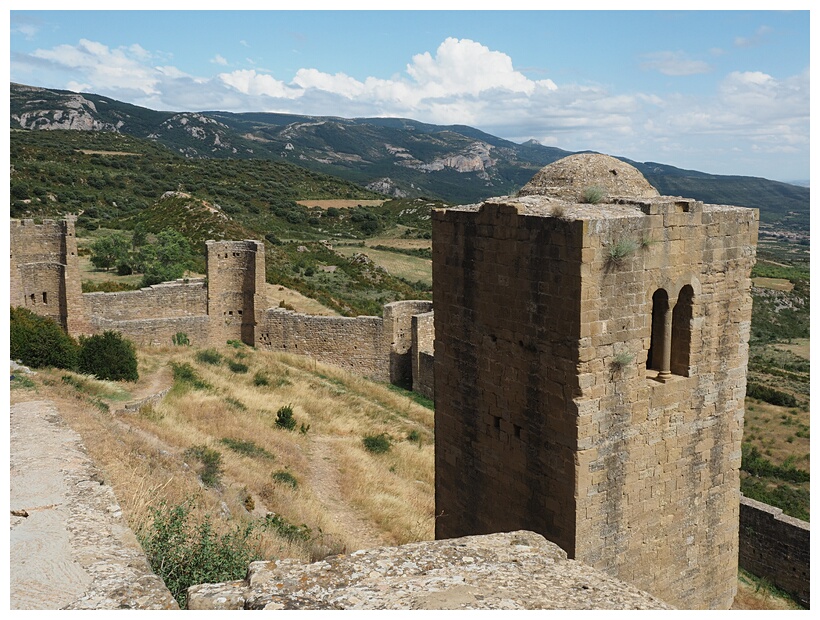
{"points": [[393, 156]]}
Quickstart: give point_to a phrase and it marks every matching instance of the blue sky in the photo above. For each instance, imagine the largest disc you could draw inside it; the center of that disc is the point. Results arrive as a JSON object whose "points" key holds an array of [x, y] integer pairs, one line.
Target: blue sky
{"points": [[720, 91]]}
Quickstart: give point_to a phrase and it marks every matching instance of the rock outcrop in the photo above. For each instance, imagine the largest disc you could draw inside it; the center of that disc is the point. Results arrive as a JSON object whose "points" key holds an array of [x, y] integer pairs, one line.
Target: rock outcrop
{"points": [[515, 570]]}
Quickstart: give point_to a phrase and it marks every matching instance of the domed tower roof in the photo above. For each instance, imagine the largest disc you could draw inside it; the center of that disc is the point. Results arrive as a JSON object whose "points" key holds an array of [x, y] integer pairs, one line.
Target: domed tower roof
{"points": [[578, 178]]}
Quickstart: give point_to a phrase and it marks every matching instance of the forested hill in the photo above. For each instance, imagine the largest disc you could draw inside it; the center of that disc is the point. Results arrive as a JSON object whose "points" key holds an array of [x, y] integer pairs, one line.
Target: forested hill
{"points": [[396, 157]]}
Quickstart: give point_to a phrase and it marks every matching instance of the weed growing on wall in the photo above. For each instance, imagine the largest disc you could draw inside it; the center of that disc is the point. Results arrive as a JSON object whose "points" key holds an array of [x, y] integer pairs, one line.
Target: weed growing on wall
{"points": [[593, 195], [618, 251]]}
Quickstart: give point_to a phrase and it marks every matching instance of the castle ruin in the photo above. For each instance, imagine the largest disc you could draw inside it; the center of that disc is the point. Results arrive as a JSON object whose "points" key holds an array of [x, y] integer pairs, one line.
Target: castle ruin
{"points": [[590, 362], [227, 305], [590, 373]]}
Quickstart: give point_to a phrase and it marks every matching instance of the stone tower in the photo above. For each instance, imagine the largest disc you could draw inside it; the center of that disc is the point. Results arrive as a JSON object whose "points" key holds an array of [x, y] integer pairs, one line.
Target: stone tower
{"points": [[590, 371], [236, 284], [45, 272]]}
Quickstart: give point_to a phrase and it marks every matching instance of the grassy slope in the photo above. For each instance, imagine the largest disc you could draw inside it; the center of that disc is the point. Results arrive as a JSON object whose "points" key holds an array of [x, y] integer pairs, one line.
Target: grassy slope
{"points": [[375, 498]]}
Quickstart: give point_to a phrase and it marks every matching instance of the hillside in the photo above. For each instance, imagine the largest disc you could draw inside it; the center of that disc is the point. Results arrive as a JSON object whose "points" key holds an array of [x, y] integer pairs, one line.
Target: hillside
{"points": [[115, 181], [396, 157], [218, 444]]}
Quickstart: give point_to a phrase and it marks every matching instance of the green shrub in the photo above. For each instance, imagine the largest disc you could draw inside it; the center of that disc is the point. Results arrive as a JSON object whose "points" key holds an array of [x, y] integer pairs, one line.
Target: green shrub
{"points": [[248, 448], [770, 395], [377, 444], [260, 379], [185, 374], [180, 339], [38, 341], [184, 553], [285, 529], [209, 356], [285, 477], [108, 356], [285, 419], [414, 436], [237, 367], [756, 464], [211, 464]]}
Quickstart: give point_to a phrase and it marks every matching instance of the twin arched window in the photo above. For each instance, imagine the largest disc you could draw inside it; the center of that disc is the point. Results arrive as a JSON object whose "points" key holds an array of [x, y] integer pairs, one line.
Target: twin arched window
{"points": [[671, 338]]}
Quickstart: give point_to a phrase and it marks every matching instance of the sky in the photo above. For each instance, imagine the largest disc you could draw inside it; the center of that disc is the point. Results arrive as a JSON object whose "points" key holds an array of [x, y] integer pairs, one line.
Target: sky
{"points": [[725, 92]]}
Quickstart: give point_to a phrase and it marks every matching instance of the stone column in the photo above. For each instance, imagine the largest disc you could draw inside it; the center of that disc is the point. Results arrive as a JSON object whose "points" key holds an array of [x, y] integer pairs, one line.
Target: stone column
{"points": [[665, 372]]}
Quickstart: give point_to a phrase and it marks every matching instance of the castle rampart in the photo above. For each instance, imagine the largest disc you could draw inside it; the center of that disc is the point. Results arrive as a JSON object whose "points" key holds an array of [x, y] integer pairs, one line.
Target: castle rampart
{"points": [[423, 333], [169, 299], [775, 547], [353, 343]]}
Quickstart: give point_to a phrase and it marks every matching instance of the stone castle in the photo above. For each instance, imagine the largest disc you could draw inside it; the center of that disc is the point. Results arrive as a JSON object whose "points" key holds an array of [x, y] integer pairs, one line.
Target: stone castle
{"points": [[227, 305], [590, 345]]}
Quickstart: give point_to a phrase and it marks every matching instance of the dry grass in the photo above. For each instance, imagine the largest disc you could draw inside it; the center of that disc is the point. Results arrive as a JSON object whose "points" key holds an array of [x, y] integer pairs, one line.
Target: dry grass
{"points": [[276, 293], [777, 284], [799, 346], [373, 499], [411, 268]]}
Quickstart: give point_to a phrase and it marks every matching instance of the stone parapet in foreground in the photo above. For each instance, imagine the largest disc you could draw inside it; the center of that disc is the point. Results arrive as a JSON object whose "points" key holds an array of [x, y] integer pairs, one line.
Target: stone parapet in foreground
{"points": [[515, 570]]}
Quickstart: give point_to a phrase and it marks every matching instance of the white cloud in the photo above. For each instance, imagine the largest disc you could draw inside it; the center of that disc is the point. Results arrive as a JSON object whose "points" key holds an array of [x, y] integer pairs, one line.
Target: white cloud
{"points": [[219, 60], [758, 38], [464, 82], [674, 63], [103, 68], [249, 82]]}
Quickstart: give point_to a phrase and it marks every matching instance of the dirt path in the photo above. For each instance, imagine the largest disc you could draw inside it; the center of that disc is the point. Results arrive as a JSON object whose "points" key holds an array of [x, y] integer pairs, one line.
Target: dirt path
{"points": [[69, 545], [324, 473]]}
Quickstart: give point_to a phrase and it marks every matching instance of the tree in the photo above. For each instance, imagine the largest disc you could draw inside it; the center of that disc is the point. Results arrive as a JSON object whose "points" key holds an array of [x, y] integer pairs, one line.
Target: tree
{"points": [[108, 356], [106, 252], [167, 259]]}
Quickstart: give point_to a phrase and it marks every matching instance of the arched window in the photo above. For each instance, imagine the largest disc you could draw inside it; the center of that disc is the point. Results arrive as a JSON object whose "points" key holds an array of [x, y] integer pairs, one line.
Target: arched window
{"points": [[682, 331], [671, 336]]}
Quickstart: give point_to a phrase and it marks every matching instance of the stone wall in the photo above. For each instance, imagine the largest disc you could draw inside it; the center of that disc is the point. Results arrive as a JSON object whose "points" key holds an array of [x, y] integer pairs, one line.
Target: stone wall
{"points": [[776, 547], [353, 343], [158, 332], [564, 407], [424, 333], [398, 321], [169, 299]]}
